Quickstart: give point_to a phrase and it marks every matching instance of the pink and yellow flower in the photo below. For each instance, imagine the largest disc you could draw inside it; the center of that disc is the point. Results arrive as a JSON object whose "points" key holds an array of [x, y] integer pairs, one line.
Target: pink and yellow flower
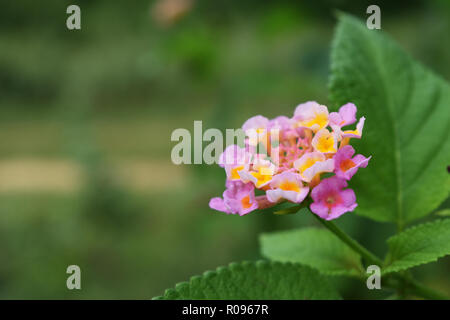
{"points": [[313, 163], [345, 165], [238, 198], [289, 186], [309, 146], [311, 115], [345, 116], [331, 200], [281, 123], [325, 141], [234, 159], [256, 129], [261, 172], [355, 133], [347, 134]]}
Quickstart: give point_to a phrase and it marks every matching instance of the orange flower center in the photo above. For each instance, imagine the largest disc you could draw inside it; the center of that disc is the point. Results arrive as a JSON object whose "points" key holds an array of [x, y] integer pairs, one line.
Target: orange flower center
{"points": [[347, 164], [246, 202]]}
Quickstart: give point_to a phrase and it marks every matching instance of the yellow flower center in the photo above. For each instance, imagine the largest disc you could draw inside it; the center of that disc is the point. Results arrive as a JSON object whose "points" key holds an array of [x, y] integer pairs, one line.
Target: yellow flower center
{"points": [[235, 174], [308, 164], [262, 176], [289, 186], [320, 119], [355, 132], [326, 143]]}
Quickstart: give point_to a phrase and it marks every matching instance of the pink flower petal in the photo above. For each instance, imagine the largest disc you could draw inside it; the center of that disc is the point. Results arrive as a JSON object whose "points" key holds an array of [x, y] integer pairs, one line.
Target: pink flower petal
{"points": [[256, 122], [330, 200], [218, 204], [348, 114], [345, 165]]}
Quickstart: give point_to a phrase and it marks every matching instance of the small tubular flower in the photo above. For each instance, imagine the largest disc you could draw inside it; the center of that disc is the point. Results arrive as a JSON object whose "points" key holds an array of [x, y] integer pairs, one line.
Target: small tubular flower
{"points": [[238, 198], [256, 122], [281, 123], [308, 154], [289, 186], [330, 200], [325, 141], [234, 159], [260, 174], [345, 165], [355, 133], [256, 129], [345, 116], [311, 164], [233, 155], [311, 115]]}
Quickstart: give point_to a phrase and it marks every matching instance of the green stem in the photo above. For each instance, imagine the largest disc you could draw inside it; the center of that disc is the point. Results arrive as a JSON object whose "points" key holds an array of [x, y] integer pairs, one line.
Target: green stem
{"points": [[405, 282], [363, 252], [420, 290]]}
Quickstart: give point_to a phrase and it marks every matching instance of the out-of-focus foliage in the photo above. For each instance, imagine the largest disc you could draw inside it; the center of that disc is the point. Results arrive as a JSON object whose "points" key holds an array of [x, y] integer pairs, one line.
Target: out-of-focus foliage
{"points": [[85, 124]]}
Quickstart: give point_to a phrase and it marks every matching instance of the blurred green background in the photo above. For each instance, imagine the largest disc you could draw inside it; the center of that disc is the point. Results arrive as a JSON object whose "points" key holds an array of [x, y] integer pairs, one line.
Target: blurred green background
{"points": [[86, 118]]}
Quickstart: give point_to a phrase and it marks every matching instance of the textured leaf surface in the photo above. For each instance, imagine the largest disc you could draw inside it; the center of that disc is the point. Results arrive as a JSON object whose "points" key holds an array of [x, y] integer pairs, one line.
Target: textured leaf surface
{"points": [[256, 280], [407, 124], [418, 245], [317, 248]]}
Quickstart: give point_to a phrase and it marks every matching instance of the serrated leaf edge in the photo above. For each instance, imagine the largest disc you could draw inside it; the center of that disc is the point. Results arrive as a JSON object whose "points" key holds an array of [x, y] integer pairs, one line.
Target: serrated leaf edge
{"points": [[232, 266], [401, 235]]}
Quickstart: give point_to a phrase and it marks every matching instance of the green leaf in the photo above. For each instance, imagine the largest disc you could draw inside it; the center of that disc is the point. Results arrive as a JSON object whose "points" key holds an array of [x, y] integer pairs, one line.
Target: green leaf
{"points": [[407, 124], [418, 245], [314, 247], [255, 281]]}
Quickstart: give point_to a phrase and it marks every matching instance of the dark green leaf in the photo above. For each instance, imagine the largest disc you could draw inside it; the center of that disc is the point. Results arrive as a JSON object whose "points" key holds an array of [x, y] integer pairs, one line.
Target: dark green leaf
{"points": [[407, 124], [255, 280]]}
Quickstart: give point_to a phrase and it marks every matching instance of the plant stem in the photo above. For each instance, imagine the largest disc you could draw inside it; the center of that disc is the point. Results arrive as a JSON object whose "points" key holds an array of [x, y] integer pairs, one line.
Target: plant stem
{"points": [[418, 289], [406, 282], [363, 252]]}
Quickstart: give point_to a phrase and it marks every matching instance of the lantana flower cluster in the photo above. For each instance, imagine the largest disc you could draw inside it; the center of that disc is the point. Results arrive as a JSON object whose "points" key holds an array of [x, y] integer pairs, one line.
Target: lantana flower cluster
{"points": [[306, 155]]}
